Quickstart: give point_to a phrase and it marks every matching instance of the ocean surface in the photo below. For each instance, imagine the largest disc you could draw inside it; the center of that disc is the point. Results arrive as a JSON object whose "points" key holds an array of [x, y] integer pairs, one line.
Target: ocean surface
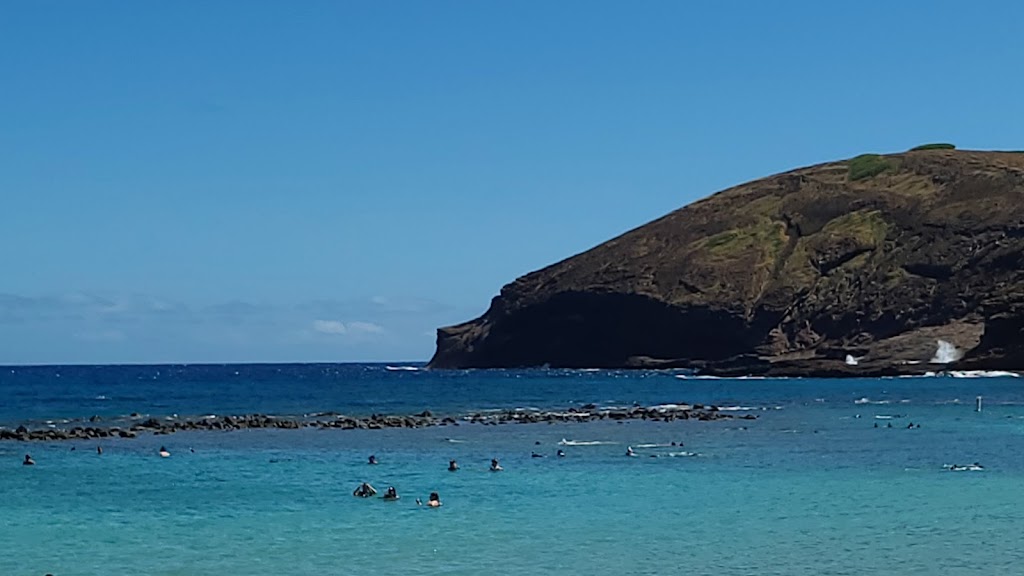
{"points": [[810, 487]]}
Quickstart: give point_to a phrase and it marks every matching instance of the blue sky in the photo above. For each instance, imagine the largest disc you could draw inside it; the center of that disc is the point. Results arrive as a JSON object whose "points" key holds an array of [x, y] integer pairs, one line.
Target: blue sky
{"points": [[331, 181]]}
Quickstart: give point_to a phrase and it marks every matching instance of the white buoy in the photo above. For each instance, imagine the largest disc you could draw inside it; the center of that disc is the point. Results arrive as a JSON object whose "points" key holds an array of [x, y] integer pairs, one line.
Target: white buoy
{"points": [[977, 404]]}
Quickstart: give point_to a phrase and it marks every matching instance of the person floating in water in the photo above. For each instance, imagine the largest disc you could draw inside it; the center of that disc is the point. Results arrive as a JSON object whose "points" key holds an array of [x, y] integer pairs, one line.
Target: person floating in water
{"points": [[434, 501], [391, 493], [364, 491], [976, 467], [164, 453], [535, 455], [560, 453], [629, 451], [495, 467], [373, 459], [28, 461], [453, 466]]}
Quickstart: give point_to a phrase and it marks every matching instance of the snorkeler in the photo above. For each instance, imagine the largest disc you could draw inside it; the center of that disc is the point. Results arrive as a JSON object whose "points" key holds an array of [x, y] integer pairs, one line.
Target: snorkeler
{"points": [[390, 493], [373, 459], [365, 490], [28, 461], [453, 466], [495, 467], [164, 453]]}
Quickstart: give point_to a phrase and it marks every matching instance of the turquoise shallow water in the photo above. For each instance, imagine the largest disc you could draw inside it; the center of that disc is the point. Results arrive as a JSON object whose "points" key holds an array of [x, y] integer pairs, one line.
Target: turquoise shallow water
{"points": [[811, 487]]}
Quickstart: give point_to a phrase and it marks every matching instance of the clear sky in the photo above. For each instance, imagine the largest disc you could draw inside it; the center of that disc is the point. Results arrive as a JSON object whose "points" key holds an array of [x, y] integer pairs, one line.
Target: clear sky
{"points": [[331, 181]]}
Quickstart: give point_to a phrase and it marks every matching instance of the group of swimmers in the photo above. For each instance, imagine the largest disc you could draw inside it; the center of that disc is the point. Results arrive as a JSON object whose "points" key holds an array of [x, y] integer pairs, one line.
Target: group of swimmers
{"points": [[163, 452], [909, 426], [366, 490]]}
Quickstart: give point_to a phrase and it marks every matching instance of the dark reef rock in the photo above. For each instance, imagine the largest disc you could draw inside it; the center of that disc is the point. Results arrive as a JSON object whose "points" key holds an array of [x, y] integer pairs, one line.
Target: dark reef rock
{"points": [[667, 413], [786, 275]]}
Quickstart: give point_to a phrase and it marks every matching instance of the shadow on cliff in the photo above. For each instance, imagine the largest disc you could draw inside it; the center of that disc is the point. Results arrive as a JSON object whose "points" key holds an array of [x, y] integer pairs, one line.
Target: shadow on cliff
{"points": [[599, 330]]}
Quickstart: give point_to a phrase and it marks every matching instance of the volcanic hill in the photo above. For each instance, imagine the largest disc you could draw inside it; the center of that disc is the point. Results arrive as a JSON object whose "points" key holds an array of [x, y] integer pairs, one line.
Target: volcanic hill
{"points": [[846, 268]]}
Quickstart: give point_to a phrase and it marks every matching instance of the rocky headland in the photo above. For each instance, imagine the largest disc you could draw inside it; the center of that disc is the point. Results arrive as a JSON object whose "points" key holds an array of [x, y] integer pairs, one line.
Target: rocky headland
{"points": [[878, 265]]}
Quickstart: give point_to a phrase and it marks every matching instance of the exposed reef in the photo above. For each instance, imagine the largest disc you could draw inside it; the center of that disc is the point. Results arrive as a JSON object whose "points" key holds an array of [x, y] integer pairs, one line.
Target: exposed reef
{"points": [[326, 420]]}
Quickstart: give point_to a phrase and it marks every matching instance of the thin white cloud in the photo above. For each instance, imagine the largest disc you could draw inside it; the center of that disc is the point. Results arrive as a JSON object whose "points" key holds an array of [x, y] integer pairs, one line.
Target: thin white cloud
{"points": [[365, 328], [329, 327]]}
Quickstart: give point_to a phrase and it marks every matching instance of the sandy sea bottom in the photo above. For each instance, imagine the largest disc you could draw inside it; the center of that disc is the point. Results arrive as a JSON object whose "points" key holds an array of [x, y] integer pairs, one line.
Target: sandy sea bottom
{"points": [[810, 489]]}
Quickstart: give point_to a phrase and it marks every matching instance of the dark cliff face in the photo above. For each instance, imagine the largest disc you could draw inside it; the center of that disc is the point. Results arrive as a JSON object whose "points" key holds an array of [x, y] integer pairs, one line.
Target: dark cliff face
{"points": [[789, 273]]}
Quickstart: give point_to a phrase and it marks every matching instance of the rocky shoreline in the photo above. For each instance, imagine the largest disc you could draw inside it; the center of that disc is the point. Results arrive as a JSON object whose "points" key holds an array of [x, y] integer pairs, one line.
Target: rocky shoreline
{"points": [[137, 424]]}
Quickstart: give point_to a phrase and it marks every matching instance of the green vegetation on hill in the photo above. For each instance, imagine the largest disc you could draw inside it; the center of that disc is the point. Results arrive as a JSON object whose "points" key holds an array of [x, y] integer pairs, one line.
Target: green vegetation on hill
{"points": [[936, 146], [868, 166]]}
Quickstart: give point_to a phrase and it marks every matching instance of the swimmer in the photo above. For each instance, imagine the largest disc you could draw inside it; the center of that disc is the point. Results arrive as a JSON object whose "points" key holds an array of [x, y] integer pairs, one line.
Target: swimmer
{"points": [[364, 490], [560, 453], [453, 466], [99, 450], [28, 461], [535, 455], [391, 493], [434, 501], [373, 459], [164, 453], [495, 467], [629, 451]]}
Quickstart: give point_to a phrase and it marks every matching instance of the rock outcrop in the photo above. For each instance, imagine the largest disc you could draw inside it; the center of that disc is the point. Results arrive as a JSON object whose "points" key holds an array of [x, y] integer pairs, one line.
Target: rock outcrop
{"points": [[332, 420], [855, 267]]}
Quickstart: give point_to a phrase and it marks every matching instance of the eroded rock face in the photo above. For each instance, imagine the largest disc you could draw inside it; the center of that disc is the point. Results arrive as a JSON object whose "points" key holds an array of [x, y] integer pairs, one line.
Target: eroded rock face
{"points": [[796, 270]]}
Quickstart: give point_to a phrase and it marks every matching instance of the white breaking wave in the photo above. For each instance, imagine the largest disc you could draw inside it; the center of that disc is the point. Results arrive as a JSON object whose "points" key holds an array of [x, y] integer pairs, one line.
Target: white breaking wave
{"points": [[565, 442], [454, 441], [663, 407], [968, 468], [651, 445], [983, 374], [866, 400], [402, 368], [946, 353]]}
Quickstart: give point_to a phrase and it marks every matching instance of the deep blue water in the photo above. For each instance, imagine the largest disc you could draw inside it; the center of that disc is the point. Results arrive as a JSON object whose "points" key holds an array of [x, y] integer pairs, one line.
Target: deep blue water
{"points": [[810, 487]]}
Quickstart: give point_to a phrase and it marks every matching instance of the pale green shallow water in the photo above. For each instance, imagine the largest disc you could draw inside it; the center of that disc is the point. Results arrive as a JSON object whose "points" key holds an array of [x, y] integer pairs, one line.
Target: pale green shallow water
{"points": [[809, 489]]}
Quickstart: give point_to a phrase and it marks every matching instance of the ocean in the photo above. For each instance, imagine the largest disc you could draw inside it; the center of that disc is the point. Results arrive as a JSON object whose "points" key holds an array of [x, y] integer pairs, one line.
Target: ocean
{"points": [[819, 483]]}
